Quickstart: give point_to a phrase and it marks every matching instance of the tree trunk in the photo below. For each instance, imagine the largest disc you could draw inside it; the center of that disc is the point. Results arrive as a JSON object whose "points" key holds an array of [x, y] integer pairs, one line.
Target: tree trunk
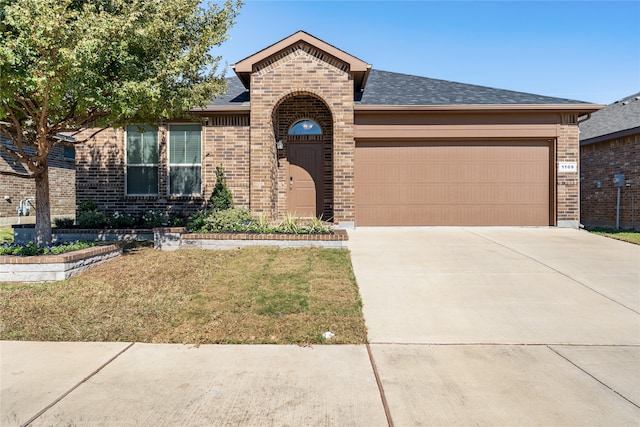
{"points": [[43, 209]]}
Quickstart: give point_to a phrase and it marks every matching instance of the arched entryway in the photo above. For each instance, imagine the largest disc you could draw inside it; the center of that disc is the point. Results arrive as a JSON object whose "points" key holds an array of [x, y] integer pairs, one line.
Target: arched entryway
{"points": [[303, 127]]}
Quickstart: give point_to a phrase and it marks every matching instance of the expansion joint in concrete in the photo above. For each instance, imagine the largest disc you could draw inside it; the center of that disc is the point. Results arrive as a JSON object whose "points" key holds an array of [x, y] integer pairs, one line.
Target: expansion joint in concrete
{"points": [[592, 376], [383, 397], [554, 269], [68, 392]]}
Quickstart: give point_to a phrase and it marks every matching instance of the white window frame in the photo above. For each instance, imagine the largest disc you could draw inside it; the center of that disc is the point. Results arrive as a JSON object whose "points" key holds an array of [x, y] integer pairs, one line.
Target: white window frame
{"points": [[178, 165], [127, 164]]}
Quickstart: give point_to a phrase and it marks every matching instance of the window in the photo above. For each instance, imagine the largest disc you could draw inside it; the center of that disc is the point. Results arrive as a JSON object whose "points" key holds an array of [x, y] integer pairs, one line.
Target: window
{"points": [[142, 160], [69, 153], [305, 127], [185, 159]]}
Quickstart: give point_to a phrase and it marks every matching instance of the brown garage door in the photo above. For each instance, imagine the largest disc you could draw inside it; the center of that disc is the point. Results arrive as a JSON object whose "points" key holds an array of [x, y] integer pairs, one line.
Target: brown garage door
{"points": [[452, 183]]}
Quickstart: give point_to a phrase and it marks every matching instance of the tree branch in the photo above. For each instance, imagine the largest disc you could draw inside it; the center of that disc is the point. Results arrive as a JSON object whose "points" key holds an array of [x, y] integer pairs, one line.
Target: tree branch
{"points": [[16, 174]]}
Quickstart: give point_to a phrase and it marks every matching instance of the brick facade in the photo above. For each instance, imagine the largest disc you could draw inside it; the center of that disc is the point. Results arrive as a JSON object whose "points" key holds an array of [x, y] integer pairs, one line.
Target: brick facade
{"points": [[300, 81], [61, 183], [298, 74], [567, 183], [599, 162], [101, 169], [291, 110]]}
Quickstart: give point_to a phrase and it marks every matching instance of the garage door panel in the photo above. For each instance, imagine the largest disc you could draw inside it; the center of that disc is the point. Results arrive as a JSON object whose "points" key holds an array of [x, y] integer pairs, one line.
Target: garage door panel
{"points": [[475, 193], [457, 184]]}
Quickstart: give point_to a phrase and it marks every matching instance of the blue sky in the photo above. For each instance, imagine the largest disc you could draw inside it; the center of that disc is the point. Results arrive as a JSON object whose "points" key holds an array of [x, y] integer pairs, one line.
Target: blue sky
{"points": [[583, 50]]}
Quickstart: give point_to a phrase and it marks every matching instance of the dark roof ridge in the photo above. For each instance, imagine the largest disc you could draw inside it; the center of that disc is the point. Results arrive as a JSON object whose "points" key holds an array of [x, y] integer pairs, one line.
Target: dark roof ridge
{"points": [[634, 97]]}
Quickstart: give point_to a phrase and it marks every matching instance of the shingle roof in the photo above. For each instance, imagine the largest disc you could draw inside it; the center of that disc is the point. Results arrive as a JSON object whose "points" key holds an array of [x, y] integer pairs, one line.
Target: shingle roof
{"points": [[387, 88], [236, 94], [621, 116]]}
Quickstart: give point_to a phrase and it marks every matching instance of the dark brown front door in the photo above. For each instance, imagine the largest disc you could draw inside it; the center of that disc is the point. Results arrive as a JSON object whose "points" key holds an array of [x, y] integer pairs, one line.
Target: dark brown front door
{"points": [[305, 189]]}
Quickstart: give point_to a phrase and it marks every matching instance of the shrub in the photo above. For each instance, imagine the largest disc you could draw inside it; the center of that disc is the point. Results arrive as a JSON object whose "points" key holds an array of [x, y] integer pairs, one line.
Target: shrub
{"points": [[92, 219], [87, 206], [30, 248], [261, 225], [63, 222], [290, 225], [152, 219], [230, 220], [221, 198], [195, 222], [178, 221], [118, 220]]}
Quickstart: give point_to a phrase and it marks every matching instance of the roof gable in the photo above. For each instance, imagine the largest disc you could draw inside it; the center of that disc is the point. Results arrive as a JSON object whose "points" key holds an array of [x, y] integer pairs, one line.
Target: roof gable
{"points": [[357, 67]]}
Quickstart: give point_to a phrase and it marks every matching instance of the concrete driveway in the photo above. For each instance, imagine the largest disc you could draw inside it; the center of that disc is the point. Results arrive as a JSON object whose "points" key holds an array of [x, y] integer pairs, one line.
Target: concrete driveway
{"points": [[502, 326], [468, 326]]}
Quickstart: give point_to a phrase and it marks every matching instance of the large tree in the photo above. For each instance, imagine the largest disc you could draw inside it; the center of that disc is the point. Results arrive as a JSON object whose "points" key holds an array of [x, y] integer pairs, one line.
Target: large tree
{"points": [[71, 65]]}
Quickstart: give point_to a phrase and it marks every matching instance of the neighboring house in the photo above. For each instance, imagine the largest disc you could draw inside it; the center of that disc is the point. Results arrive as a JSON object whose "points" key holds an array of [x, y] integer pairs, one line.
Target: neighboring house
{"points": [[14, 190], [610, 146], [308, 129]]}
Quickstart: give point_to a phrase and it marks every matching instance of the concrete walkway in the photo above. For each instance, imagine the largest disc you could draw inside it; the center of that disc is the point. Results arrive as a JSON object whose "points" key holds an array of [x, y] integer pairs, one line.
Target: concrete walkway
{"points": [[468, 326]]}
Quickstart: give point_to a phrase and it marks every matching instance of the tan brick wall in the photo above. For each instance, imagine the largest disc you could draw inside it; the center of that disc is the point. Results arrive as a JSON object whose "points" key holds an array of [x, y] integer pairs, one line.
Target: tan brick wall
{"points": [[226, 143], [567, 183], [61, 184], [298, 71], [599, 162], [101, 170]]}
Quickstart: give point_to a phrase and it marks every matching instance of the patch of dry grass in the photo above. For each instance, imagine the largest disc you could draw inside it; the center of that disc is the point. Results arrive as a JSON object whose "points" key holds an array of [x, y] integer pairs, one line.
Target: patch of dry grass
{"points": [[629, 236], [253, 295]]}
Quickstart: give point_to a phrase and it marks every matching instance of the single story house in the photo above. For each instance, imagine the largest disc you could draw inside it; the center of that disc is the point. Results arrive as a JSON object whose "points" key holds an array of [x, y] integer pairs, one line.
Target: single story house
{"points": [[21, 192], [610, 159], [308, 129]]}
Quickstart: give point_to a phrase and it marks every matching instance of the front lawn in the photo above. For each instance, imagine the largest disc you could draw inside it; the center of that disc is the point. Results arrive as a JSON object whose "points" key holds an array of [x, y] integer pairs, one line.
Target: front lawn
{"points": [[252, 295], [624, 235]]}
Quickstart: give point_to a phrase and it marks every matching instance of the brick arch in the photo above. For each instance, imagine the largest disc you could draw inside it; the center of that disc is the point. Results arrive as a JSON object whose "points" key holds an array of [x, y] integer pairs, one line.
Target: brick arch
{"points": [[300, 93], [295, 106]]}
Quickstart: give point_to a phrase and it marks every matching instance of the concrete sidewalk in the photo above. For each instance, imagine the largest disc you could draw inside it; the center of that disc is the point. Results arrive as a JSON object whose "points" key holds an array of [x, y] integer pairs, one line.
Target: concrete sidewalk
{"points": [[468, 326], [120, 384]]}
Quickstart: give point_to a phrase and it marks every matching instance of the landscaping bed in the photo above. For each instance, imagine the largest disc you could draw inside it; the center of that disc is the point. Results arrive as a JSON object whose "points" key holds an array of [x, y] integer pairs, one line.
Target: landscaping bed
{"points": [[46, 268]]}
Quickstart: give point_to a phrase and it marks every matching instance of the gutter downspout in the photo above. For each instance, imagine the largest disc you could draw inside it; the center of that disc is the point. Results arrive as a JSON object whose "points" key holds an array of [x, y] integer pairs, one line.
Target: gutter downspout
{"points": [[585, 119]]}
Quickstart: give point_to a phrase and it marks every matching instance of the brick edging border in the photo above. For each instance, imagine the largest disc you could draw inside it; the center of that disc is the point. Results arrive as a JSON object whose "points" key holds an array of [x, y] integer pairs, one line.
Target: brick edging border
{"points": [[337, 235], [61, 258]]}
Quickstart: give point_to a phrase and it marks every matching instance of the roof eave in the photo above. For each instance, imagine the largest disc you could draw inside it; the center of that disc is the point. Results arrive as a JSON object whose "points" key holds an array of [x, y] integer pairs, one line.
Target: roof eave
{"points": [[222, 109], [577, 108], [609, 136]]}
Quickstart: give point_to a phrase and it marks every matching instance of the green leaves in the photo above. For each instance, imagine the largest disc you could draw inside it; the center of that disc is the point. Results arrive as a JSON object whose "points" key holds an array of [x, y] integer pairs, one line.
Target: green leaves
{"points": [[113, 61], [68, 65]]}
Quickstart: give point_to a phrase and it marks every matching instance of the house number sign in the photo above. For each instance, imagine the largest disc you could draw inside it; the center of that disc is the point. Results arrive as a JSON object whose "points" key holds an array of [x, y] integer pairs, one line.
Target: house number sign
{"points": [[567, 167]]}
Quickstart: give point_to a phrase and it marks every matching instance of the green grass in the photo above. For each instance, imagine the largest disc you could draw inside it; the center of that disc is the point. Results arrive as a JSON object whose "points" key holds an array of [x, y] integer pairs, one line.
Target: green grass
{"points": [[252, 295], [6, 235], [624, 235]]}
